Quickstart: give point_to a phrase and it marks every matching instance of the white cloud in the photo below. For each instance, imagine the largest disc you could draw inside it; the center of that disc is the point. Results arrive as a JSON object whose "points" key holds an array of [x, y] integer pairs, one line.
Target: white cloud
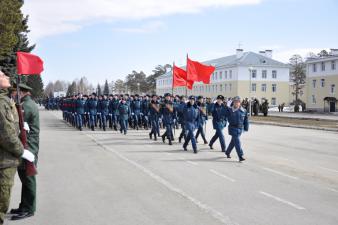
{"points": [[145, 28], [50, 17]]}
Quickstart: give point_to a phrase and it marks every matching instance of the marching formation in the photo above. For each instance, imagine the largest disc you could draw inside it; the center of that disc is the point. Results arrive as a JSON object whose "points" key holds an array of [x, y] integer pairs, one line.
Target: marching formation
{"points": [[121, 112]]}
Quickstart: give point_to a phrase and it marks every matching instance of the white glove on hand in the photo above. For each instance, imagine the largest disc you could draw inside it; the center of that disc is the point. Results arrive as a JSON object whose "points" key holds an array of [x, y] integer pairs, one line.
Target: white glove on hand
{"points": [[28, 156], [26, 127]]}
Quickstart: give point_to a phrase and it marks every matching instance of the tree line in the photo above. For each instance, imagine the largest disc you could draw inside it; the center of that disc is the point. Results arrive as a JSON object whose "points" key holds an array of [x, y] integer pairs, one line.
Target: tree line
{"points": [[13, 38]]}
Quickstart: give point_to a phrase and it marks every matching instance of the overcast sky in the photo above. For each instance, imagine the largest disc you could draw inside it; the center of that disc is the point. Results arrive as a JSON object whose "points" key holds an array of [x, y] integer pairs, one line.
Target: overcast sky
{"points": [[107, 39]]}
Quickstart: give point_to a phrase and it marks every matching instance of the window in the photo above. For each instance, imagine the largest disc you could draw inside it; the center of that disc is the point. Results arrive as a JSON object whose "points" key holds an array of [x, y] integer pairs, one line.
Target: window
{"points": [[215, 88], [314, 83], [313, 99], [322, 82], [333, 88], [216, 76], [274, 87], [323, 66], [263, 87], [253, 73], [253, 87], [230, 87], [264, 74], [314, 67], [274, 74], [226, 74], [273, 101], [221, 75], [333, 65], [220, 88], [230, 74]]}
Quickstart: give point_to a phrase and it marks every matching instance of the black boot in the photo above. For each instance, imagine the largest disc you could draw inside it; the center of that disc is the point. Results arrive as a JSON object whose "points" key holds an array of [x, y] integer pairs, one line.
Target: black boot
{"points": [[170, 143], [163, 138], [241, 159], [92, 128], [150, 136], [155, 138]]}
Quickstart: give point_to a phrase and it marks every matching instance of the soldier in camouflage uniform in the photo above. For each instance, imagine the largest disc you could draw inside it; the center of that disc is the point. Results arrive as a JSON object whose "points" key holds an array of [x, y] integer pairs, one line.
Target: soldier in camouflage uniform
{"points": [[11, 149]]}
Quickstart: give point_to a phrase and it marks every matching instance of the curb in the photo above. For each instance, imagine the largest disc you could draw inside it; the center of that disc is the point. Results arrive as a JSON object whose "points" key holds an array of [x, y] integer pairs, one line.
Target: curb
{"points": [[295, 126]]}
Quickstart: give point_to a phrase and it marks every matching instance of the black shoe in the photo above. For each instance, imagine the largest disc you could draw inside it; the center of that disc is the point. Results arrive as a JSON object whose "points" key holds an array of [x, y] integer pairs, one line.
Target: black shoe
{"points": [[228, 155], [179, 139], [210, 146], [241, 159], [104, 128], [155, 138], [205, 142], [80, 128], [170, 143], [22, 215], [125, 133], [223, 150], [195, 151], [163, 139], [93, 128], [185, 148], [16, 211], [150, 136]]}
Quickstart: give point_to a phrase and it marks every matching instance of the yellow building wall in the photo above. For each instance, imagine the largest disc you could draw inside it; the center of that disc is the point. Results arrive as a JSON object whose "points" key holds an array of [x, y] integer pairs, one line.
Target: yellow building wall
{"points": [[320, 92]]}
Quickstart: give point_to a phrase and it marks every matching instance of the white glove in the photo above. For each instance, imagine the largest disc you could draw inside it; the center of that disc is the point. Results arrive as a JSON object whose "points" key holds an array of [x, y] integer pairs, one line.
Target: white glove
{"points": [[26, 127], [28, 155]]}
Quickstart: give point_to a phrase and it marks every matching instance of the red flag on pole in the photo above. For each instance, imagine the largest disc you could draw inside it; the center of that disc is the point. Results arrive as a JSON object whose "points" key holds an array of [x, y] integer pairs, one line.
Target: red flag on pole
{"points": [[28, 64], [180, 78], [199, 72]]}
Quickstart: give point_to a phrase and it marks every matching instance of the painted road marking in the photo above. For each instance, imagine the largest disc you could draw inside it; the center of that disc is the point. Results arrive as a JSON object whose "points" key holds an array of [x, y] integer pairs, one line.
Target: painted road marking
{"points": [[282, 200], [328, 169], [192, 163], [207, 209], [222, 175], [279, 173]]}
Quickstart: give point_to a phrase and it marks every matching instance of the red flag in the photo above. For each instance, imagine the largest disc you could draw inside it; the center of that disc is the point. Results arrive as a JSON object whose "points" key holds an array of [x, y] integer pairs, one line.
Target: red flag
{"points": [[28, 64], [199, 72], [180, 78]]}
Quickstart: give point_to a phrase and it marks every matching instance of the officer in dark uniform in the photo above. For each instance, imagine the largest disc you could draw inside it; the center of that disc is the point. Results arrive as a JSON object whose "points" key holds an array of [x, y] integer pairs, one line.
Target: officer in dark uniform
{"points": [[136, 111], [145, 112], [124, 114], [113, 108], [80, 111], [92, 107], [167, 111], [190, 113], [219, 121], [104, 108], [180, 117], [154, 111], [238, 122], [202, 118]]}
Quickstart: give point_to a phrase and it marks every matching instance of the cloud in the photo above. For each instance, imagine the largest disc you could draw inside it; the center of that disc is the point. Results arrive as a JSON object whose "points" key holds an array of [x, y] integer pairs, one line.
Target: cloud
{"points": [[50, 17], [145, 28]]}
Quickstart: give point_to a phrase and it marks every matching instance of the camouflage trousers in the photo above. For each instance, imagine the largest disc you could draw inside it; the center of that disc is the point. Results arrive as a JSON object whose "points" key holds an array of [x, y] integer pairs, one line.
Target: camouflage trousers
{"points": [[6, 183]]}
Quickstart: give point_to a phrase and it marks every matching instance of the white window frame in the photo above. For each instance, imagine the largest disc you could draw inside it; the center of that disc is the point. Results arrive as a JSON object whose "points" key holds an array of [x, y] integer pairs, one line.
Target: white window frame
{"points": [[263, 87], [252, 87], [264, 74], [274, 74], [274, 88]]}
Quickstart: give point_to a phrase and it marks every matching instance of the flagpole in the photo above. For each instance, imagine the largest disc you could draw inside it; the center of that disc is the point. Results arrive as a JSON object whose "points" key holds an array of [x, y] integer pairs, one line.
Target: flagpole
{"points": [[186, 81], [172, 83]]}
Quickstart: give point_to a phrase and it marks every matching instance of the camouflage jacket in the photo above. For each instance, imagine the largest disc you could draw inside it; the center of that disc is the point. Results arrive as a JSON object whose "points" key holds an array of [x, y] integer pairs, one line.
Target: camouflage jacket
{"points": [[11, 148]]}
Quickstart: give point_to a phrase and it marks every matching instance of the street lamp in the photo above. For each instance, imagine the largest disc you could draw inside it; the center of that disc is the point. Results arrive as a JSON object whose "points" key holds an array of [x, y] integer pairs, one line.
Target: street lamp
{"points": [[250, 89]]}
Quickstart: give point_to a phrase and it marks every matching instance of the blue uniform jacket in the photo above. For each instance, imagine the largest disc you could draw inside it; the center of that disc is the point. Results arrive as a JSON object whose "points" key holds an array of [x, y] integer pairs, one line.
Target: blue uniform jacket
{"points": [[80, 106], [92, 106], [219, 116], [238, 121], [190, 115]]}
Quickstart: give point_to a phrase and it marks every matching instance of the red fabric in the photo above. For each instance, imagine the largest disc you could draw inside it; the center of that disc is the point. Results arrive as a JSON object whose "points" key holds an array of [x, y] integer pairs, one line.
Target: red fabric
{"points": [[28, 64], [180, 78], [199, 72]]}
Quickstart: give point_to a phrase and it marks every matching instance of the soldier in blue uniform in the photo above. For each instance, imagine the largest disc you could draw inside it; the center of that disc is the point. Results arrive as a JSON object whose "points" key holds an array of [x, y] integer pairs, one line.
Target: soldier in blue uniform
{"points": [[238, 122], [180, 117], [154, 115], [80, 111], [191, 114], [202, 118], [92, 108], [136, 111], [99, 111], [145, 112], [103, 106], [167, 111], [124, 113], [219, 120]]}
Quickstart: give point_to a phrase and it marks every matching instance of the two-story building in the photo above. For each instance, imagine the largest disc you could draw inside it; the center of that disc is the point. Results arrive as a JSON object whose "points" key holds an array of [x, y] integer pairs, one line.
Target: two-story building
{"points": [[246, 74], [322, 81]]}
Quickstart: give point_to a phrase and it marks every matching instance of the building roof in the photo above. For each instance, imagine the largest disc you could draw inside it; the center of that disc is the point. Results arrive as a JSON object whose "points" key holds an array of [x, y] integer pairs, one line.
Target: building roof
{"points": [[247, 59]]}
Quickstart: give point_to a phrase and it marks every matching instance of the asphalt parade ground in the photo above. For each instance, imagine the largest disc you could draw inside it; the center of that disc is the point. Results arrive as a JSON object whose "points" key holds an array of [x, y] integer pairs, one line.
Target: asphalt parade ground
{"points": [[290, 177]]}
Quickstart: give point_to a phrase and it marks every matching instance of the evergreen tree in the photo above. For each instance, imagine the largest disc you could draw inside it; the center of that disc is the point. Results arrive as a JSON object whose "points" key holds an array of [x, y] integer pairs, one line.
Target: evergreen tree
{"points": [[71, 89], [35, 82], [106, 88], [99, 91]]}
